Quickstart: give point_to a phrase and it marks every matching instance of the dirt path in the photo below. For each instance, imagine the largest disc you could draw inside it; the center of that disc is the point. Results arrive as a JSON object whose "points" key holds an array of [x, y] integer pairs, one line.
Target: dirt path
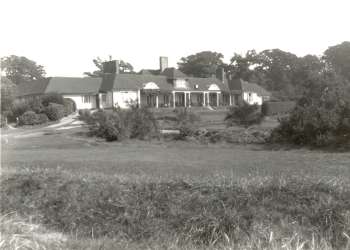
{"points": [[68, 122]]}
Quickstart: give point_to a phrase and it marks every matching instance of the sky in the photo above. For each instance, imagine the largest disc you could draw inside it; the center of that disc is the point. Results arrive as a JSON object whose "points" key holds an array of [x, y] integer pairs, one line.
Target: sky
{"points": [[65, 35]]}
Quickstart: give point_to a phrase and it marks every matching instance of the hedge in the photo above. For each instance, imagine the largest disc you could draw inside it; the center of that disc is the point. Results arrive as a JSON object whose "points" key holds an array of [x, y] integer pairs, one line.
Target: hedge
{"points": [[55, 111], [276, 108]]}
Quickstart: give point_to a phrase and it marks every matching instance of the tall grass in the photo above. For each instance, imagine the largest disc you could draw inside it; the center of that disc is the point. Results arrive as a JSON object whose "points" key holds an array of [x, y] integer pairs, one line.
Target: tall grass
{"points": [[257, 213]]}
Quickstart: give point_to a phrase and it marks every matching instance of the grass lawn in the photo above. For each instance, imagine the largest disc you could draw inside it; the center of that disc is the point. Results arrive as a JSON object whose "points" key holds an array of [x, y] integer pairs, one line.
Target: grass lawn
{"points": [[160, 159], [173, 194]]}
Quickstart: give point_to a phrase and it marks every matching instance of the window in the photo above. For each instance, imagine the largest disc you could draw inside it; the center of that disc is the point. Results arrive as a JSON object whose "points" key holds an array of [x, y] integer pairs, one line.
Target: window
{"points": [[86, 99], [104, 98], [250, 97], [166, 99]]}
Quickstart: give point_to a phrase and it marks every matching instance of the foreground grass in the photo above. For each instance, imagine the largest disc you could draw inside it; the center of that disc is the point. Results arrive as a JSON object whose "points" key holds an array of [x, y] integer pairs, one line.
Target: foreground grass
{"points": [[249, 213]]}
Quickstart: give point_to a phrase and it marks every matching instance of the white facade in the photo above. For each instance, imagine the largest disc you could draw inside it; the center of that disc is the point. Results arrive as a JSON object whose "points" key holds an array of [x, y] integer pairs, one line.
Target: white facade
{"points": [[124, 99], [252, 98], [83, 101]]}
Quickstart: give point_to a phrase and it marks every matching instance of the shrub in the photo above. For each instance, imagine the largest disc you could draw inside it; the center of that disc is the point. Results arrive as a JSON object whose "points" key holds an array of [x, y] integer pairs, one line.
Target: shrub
{"points": [[19, 107], [69, 106], [140, 122], [277, 108], [28, 118], [42, 118], [186, 123], [54, 111], [109, 126], [244, 115], [322, 121], [84, 115], [52, 98], [3, 120], [35, 104]]}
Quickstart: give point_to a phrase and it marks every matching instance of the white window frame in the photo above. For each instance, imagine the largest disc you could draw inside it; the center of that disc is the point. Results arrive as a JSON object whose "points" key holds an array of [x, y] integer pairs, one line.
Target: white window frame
{"points": [[86, 99]]}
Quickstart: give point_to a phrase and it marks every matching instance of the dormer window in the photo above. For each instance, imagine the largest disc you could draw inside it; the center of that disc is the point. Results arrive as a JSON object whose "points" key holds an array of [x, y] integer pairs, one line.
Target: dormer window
{"points": [[180, 84], [196, 86]]}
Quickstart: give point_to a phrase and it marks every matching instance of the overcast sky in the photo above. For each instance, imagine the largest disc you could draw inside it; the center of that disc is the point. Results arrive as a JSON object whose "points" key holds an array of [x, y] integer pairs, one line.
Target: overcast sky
{"points": [[65, 35]]}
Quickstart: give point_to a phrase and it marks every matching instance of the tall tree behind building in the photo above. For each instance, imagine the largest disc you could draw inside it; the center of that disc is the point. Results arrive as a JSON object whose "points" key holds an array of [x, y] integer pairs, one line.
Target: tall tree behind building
{"points": [[202, 64], [20, 69]]}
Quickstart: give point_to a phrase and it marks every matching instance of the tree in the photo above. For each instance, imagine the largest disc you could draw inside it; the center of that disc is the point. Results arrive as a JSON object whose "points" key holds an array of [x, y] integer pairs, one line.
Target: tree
{"points": [[338, 58], [321, 116], [243, 66], [8, 90], [124, 67], [20, 69], [202, 64]]}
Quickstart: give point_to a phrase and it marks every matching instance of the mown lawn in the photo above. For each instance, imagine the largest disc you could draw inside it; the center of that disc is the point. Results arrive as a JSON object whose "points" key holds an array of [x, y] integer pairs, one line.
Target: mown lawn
{"points": [[166, 159]]}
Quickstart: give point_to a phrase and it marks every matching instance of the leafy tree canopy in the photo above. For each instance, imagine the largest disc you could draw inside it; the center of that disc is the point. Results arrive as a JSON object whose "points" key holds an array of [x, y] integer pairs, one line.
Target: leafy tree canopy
{"points": [[338, 58], [202, 64], [20, 69]]}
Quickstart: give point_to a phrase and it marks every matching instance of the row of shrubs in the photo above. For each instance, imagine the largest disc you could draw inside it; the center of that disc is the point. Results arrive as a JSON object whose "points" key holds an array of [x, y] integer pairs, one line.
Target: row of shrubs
{"points": [[40, 109], [118, 124], [141, 123], [320, 122]]}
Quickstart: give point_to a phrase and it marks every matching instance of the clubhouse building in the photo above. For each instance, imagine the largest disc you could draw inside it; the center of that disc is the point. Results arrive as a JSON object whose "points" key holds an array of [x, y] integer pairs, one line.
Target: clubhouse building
{"points": [[162, 88]]}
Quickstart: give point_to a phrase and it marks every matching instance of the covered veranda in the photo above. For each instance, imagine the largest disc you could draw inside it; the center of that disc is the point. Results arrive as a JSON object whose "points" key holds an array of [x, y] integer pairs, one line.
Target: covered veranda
{"points": [[156, 98]]}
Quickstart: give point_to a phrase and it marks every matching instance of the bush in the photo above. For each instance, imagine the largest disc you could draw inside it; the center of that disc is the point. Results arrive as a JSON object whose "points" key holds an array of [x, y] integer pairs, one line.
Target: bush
{"points": [[138, 123], [84, 115], [31, 118], [109, 126], [19, 107], [244, 115], [54, 111], [3, 120], [313, 125], [186, 123], [28, 118], [35, 104], [69, 106], [321, 121], [141, 123], [42, 118], [277, 108], [52, 98]]}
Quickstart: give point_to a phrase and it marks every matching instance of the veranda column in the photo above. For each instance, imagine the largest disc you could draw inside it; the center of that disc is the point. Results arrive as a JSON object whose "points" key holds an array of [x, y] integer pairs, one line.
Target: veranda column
{"points": [[185, 95], [217, 99], [230, 99], [157, 100], [189, 99], [139, 98], [203, 94], [174, 103]]}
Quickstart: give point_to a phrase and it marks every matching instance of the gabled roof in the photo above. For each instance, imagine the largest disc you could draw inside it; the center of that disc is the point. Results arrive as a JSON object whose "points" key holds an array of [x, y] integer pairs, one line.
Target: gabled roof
{"points": [[36, 87], [239, 85], [74, 85], [172, 73], [60, 85], [137, 81], [149, 72]]}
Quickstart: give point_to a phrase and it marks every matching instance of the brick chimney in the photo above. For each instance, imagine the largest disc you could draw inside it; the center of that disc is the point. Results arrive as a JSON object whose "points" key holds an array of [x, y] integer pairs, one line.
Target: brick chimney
{"points": [[111, 67], [163, 63], [220, 74]]}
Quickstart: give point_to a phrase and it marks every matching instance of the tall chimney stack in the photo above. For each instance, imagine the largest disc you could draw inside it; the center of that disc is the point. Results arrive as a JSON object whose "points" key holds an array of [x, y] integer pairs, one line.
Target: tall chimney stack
{"points": [[163, 63], [111, 67], [220, 74]]}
